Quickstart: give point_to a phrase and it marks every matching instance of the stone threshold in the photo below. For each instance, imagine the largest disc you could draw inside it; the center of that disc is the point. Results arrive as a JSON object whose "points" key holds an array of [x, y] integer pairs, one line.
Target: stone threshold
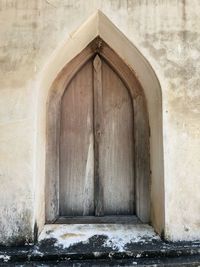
{"points": [[101, 245]]}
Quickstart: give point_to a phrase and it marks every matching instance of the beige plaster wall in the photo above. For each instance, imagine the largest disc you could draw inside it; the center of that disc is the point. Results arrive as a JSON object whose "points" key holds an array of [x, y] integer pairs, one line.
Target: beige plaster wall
{"points": [[167, 33]]}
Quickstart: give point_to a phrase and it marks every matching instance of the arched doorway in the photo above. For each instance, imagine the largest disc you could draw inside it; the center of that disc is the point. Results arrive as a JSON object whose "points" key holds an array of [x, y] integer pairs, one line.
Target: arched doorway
{"points": [[98, 139]]}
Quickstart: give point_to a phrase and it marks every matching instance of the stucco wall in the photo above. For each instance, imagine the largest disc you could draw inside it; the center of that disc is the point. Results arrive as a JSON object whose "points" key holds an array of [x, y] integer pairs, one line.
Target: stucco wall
{"points": [[167, 33]]}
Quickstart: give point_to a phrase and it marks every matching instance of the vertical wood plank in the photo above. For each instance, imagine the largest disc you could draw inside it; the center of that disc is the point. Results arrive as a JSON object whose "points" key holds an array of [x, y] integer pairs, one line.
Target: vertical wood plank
{"points": [[98, 122], [116, 151], [77, 146], [52, 169], [142, 160]]}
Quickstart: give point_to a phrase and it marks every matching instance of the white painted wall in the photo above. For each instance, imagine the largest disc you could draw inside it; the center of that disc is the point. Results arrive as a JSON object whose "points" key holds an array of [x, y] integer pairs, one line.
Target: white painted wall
{"points": [[167, 33]]}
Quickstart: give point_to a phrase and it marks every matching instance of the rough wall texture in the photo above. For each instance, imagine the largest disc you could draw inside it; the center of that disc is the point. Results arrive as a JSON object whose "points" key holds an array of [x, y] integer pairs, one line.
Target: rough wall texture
{"points": [[167, 32]]}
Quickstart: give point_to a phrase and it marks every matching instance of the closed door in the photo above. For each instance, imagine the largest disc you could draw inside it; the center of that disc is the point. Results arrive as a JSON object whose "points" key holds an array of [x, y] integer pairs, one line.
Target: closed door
{"points": [[96, 144]]}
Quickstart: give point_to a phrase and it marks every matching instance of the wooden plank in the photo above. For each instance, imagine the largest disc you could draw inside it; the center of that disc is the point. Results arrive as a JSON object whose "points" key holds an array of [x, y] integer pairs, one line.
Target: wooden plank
{"points": [[76, 146], [142, 160], [98, 220], [52, 183], [116, 149], [98, 121]]}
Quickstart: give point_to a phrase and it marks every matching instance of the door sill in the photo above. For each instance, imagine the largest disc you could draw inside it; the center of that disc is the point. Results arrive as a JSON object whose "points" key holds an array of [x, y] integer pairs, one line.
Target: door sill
{"points": [[96, 239], [114, 219]]}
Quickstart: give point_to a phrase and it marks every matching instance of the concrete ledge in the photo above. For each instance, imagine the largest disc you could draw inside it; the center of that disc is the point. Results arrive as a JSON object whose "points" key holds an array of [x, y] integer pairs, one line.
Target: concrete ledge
{"points": [[156, 253], [101, 245]]}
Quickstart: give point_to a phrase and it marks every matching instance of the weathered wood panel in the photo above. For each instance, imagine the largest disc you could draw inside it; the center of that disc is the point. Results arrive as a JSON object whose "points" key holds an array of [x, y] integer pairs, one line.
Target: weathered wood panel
{"points": [[53, 132], [98, 126], [77, 146], [142, 160], [116, 156]]}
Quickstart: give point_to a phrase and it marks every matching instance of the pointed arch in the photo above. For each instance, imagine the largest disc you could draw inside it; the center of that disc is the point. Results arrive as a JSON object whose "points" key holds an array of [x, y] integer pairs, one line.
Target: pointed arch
{"points": [[141, 128], [99, 25]]}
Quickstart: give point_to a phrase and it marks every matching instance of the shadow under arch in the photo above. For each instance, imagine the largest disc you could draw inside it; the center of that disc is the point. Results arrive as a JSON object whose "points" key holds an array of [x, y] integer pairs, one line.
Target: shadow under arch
{"points": [[100, 25]]}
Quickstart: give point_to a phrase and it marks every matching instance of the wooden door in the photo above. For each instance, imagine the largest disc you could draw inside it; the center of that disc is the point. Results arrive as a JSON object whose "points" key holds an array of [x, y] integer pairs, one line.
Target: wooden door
{"points": [[96, 144]]}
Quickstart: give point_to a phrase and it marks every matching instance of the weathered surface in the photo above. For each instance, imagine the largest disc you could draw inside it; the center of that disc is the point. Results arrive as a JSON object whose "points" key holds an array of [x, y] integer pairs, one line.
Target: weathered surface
{"points": [[76, 146], [117, 237], [117, 145], [101, 245], [166, 32]]}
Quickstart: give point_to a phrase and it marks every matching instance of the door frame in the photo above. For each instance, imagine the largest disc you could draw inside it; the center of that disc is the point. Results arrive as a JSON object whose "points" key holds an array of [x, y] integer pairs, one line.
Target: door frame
{"points": [[141, 129]]}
